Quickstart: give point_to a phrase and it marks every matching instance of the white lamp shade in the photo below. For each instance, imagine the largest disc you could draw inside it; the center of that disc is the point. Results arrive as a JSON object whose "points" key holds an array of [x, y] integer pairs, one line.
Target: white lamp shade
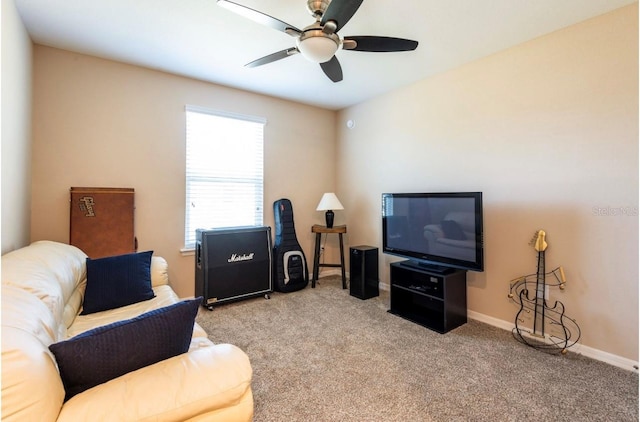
{"points": [[318, 49], [329, 201]]}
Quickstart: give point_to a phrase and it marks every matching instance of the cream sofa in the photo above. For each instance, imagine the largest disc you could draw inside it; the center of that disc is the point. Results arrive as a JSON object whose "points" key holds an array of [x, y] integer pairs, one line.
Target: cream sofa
{"points": [[42, 292]]}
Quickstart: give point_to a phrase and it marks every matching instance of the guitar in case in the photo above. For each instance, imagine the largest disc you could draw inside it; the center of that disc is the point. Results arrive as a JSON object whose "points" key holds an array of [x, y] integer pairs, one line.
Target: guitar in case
{"points": [[290, 272]]}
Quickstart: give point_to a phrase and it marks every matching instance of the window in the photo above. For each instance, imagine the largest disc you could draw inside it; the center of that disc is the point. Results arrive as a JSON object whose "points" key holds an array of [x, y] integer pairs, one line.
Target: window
{"points": [[224, 171]]}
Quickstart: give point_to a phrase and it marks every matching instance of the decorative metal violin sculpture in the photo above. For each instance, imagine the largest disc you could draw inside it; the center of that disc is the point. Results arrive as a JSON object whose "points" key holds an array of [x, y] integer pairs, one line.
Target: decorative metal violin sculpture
{"points": [[537, 324]]}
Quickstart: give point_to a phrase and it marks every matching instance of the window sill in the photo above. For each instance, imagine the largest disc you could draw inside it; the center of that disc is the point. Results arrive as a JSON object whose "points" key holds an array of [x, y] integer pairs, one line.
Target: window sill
{"points": [[188, 251]]}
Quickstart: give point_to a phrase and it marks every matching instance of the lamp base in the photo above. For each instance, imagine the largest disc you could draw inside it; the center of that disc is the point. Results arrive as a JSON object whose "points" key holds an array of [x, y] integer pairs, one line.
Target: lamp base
{"points": [[329, 218]]}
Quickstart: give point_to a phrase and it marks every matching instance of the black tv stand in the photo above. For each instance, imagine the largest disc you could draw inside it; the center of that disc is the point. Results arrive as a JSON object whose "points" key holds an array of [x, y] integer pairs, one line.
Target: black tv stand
{"points": [[432, 299]]}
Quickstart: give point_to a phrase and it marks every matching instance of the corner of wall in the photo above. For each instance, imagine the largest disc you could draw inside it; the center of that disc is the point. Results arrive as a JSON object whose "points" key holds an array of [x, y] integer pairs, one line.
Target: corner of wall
{"points": [[16, 129]]}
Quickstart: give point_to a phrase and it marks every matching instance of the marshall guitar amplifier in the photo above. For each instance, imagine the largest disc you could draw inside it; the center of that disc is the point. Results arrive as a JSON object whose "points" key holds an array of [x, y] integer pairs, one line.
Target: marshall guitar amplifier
{"points": [[233, 264]]}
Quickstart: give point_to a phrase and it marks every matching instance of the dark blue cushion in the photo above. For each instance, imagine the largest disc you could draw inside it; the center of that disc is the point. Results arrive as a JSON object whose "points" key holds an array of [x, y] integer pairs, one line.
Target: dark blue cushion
{"points": [[117, 281], [107, 352]]}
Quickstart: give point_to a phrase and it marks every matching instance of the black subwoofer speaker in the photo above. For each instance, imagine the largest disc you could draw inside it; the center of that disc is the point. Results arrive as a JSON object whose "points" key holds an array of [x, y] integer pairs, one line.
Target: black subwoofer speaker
{"points": [[363, 272], [233, 264]]}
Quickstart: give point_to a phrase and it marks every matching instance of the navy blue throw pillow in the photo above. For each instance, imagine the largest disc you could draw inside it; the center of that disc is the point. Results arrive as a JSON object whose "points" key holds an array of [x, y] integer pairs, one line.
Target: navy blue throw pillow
{"points": [[117, 281], [104, 353]]}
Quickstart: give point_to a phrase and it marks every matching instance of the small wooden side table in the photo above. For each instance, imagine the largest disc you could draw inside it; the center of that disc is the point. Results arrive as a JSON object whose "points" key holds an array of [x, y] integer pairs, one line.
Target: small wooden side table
{"points": [[318, 230]]}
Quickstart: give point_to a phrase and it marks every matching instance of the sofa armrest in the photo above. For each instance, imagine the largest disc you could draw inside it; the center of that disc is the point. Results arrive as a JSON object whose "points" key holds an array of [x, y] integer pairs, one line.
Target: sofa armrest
{"points": [[159, 271], [433, 230], [207, 381]]}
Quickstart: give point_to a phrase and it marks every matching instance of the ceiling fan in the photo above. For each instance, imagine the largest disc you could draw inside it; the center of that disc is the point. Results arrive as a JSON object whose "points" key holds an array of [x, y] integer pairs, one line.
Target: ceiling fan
{"points": [[319, 41]]}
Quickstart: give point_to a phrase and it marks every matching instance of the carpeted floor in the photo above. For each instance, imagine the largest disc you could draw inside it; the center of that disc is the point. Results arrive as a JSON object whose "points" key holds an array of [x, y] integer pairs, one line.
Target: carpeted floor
{"points": [[323, 355]]}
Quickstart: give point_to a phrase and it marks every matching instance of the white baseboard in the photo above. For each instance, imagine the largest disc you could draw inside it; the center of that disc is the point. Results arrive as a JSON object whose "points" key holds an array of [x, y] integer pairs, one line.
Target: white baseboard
{"points": [[578, 348], [590, 352]]}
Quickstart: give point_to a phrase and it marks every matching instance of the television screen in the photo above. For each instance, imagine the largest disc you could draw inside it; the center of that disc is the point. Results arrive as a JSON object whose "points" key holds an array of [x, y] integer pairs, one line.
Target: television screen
{"points": [[438, 229]]}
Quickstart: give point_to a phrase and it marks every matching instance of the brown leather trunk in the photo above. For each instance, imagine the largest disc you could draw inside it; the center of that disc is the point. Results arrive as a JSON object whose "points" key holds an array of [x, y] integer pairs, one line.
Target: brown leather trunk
{"points": [[102, 221]]}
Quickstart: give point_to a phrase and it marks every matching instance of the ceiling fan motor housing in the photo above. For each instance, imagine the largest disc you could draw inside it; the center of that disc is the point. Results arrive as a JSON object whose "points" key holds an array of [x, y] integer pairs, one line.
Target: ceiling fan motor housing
{"points": [[317, 7]]}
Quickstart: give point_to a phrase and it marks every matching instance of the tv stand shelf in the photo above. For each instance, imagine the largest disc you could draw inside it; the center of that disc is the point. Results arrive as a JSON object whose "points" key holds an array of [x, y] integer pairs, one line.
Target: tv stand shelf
{"points": [[432, 299]]}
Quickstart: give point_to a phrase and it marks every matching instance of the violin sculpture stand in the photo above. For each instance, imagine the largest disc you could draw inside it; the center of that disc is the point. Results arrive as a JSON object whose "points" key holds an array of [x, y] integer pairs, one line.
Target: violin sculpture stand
{"points": [[537, 324]]}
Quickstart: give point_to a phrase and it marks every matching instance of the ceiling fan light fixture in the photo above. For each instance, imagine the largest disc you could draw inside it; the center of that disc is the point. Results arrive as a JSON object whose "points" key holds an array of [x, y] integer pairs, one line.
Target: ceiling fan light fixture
{"points": [[319, 41], [318, 47]]}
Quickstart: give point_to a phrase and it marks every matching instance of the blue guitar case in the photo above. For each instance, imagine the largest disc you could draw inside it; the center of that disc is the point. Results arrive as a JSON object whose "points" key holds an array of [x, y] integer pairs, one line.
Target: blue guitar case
{"points": [[290, 272]]}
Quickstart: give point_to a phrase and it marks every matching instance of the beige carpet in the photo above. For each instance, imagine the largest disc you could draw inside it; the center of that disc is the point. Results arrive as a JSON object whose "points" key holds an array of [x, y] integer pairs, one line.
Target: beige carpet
{"points": [[323, 355]]}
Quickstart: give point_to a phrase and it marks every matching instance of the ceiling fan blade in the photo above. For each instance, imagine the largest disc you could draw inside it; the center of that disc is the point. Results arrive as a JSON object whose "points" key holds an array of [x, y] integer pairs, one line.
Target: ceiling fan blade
{"points": [[379, 44], [340, 11], [332, 69], [273, 57], [260, 17]]}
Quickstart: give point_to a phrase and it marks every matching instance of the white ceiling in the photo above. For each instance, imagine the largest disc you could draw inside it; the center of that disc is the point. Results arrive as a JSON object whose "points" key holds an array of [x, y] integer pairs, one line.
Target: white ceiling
{"points": [[199, 39]]}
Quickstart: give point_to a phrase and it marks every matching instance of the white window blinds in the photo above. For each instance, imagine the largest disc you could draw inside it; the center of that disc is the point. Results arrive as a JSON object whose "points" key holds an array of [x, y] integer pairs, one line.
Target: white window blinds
{"points": [[224, 171]]}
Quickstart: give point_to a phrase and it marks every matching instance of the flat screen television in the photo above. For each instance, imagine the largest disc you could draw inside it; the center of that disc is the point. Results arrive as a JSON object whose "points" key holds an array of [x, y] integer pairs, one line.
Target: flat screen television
{"points": [[438, 231]]}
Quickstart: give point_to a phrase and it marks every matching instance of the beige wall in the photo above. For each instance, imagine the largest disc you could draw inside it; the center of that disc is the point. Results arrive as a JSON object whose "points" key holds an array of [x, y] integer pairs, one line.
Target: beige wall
{"points": [[548, 131], [102, 123], [16, 129]]}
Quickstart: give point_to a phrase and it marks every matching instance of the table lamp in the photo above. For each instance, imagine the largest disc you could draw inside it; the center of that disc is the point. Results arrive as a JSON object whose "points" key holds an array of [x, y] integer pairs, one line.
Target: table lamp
{"points": [[328, 203]]}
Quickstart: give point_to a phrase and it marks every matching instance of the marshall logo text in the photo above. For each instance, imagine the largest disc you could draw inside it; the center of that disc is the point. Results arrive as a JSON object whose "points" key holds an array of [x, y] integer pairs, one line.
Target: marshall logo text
{"points": [[243, 257]]}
